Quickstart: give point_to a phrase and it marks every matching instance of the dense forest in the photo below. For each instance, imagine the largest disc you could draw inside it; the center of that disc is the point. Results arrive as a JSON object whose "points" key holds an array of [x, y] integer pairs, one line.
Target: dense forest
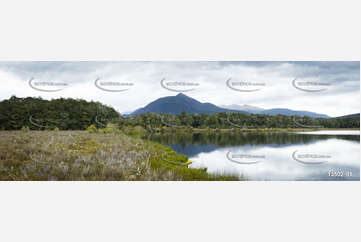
{"points": [[237, 120], [77, 114], [64, 114]]}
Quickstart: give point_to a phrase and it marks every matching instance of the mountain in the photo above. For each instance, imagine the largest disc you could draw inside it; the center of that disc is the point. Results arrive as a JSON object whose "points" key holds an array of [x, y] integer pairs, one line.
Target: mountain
{"points": [[355, 115], [176, 104], [245, 108], [289, 112], [126, 114], [274, 111]]}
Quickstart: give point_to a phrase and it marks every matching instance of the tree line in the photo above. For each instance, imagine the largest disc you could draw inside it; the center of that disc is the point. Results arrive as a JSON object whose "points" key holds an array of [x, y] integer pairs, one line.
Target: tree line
{"points": [[236, 120], [78, 114]]}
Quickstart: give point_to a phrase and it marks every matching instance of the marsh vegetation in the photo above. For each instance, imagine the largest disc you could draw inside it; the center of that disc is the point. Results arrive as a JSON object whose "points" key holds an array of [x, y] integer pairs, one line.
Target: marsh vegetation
{"points": [[92, 156]]}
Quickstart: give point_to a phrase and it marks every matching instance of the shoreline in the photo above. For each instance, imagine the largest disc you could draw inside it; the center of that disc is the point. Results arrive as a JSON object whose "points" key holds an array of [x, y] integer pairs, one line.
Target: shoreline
{"points": [[238, 130]]}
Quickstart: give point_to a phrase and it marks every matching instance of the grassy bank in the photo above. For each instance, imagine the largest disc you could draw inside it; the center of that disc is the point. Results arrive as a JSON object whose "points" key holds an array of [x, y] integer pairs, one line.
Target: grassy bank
{"points": [[99, 156]]}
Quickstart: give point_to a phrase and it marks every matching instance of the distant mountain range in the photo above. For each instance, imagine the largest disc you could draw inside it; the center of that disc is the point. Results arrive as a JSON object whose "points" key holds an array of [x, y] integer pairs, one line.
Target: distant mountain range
{"points": [[355, 115], [245, 108], [275, 111], [177, 104], [289, 112]]}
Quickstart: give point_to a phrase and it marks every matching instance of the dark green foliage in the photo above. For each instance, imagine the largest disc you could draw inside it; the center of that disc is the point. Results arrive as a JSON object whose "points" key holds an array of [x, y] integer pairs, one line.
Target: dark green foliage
{"points": [[65, 114], [236, 121]]}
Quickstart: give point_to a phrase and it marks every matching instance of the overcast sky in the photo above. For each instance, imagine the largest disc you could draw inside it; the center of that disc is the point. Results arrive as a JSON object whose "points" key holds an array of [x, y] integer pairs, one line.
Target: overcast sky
{"points": [[341, 94]]}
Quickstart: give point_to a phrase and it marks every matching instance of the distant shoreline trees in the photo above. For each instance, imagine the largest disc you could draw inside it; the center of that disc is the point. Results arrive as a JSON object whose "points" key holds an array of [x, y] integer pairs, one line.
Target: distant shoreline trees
{"points": [[236, 120], [78, 114]]}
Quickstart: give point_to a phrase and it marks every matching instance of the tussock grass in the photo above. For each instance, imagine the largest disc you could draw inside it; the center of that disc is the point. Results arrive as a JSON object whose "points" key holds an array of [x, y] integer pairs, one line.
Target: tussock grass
{"points": [[89, 156]]}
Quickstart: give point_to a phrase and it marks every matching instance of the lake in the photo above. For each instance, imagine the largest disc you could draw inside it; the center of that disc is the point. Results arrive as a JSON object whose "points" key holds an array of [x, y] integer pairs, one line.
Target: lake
{"points": [[308, 156]]}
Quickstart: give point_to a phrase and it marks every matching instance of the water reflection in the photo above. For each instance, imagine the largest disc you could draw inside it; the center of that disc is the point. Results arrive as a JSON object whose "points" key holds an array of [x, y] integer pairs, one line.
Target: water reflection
{"points": [[333, 132], [340, 154]]}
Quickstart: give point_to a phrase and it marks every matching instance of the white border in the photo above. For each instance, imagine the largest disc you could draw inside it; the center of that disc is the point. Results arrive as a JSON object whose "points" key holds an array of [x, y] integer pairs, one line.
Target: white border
{"points": [[184, 30]]}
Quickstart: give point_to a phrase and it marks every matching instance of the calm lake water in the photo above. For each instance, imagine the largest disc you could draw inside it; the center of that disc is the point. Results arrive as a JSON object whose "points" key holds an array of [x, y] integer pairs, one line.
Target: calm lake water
{"points": [[321, 155]]}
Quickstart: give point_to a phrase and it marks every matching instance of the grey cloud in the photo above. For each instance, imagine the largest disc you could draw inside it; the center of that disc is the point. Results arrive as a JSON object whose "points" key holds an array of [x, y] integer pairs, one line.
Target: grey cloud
{"points": [[343, 76]]}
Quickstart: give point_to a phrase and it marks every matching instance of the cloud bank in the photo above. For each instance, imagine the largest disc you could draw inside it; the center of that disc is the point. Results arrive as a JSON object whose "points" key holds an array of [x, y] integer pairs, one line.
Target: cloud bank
{"points": [[341, 96]]}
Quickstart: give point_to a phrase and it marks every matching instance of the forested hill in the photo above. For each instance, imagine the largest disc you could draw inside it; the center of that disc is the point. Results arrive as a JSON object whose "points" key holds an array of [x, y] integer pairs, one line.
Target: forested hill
{"points": [[65, 114], [355, 115]]}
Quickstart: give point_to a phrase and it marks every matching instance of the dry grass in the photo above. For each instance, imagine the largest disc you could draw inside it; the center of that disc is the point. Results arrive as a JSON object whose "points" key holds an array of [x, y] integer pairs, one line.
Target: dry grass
{"points": [[78, 156]]}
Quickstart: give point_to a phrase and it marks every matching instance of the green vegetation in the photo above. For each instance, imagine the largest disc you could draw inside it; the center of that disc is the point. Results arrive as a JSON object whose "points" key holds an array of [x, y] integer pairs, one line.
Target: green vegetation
{"points": [[25, 129], [92, 129], [106, 154], [226, 121], [77, 114], [66, 114], [46, 147]]}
